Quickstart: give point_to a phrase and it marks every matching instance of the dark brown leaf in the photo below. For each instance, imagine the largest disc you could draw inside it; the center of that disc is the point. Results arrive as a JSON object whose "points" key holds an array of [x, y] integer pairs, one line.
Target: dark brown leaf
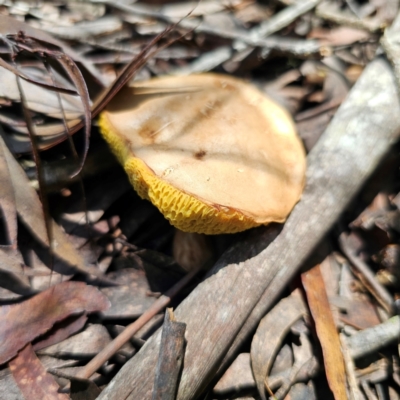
{"points": [[42, 311]]}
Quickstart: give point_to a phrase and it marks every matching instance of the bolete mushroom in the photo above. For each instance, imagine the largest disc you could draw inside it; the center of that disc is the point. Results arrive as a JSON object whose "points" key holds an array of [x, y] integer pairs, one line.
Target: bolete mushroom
{"points": [[212, 152]]}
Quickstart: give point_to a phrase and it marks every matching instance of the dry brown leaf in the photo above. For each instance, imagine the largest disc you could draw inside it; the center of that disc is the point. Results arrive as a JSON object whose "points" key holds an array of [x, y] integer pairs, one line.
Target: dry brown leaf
{"points": [[237, 377], [326, 330], [30, 211], [12, 274], [42, 311], [61, 331], [32, 379], [8, 210], [85, 344], [269, 336], [360, 313]]}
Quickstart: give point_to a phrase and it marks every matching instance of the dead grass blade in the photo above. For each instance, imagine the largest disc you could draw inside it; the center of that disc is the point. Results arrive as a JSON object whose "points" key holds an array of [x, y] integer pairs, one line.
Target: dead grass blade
{"points": [[138, 62], [42, 311], [46, 50], [76, 77], [32, 378], [328, 336]]}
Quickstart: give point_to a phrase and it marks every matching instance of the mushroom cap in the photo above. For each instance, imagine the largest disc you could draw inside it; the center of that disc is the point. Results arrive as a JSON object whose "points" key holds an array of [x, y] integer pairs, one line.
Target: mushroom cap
{"points": [[212, 152]]}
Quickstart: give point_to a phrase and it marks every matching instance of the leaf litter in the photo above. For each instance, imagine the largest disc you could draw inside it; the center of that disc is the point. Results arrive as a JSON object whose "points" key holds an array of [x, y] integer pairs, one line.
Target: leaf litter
{"points": [[42, 311], [309, 63]]}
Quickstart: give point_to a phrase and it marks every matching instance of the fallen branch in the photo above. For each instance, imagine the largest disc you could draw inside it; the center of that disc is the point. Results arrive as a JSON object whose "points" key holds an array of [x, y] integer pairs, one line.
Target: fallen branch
{"points": [[242, 289]]}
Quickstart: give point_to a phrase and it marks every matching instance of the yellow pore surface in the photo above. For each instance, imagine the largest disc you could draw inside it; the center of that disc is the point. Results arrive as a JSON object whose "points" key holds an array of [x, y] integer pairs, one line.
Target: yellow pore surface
{"points": [[213, 153]]}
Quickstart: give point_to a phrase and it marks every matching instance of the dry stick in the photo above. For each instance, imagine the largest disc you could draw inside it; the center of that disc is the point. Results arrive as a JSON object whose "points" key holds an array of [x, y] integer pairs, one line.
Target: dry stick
{"points": [[330, 12], [370, 340], [354, 391], [131, 329], [274, 24], [366, 275], [282, 19], [224, 309]]}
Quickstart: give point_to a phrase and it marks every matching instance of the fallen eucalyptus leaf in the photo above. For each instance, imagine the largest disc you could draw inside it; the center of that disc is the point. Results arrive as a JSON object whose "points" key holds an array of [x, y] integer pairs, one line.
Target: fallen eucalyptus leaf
{"points": [[42, 311]]}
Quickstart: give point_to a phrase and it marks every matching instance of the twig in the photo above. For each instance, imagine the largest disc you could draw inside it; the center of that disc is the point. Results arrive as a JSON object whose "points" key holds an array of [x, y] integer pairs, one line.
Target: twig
{"points": [[350, 370], [366, 275], [297, 47], [331, 13], [372, 339], [282, 19]]}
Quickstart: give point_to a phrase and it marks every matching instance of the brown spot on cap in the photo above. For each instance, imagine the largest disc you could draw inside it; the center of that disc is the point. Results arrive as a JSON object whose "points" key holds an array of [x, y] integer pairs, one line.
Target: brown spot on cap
{"points": [[199, 155]]}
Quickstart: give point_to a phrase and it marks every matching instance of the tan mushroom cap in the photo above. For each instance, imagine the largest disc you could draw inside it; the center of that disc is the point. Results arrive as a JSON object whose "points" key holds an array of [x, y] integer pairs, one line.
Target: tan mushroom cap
{"points": [[212, 152]]}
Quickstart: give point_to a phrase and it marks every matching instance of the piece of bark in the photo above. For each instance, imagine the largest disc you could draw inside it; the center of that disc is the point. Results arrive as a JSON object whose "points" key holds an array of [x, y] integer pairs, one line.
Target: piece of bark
{"points": [[226, 307], [170, 359]]}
